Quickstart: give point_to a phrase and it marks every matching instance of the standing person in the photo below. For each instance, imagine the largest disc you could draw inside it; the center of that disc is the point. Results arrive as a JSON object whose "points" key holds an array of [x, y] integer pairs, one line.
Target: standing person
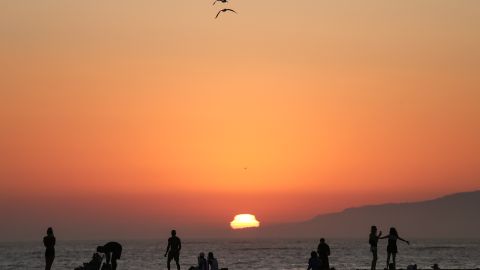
{"points": [[373, 241], [392, 245], [173, 250], [49, 243], [314, 262], [202, 262], [323, 251], [212, 262], [113, 251]]}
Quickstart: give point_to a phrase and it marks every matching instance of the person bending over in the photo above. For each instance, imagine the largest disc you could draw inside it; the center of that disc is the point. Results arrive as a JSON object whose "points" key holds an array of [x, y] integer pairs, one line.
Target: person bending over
{"points": [[112, 251]]}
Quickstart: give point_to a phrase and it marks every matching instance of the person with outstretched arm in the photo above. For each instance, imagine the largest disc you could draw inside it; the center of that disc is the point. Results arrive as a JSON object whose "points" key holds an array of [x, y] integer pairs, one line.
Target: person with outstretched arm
{"points": [[392, 245], [112, 251], [373, 241], [173, 250]]}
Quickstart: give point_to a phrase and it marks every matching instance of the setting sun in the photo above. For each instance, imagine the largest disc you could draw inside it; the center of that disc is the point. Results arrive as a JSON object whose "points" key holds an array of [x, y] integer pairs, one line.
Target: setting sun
{"points": [[244, 221]]}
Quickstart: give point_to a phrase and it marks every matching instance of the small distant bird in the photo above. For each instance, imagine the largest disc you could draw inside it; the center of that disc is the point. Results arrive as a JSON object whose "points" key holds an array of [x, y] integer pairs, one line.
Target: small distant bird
{"points": [[225, 10], [223, 1]]}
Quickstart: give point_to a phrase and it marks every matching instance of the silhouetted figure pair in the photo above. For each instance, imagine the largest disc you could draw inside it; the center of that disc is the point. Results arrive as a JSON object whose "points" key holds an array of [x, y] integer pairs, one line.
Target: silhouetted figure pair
{"points": [[392, 246], [49, 243], [323, 251], [112, 251], [173, 250], [373, 241], [210, 263], [314, 263]]}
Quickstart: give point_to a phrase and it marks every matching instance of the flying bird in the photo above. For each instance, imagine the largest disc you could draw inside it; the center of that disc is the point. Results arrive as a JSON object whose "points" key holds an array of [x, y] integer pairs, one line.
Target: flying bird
{"points": [[223, 1], [225, 10]]}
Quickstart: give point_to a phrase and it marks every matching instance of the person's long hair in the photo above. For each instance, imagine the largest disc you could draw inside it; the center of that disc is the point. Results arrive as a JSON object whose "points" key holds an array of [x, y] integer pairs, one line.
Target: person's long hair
{"points": [[393, 231], [50, 231]]}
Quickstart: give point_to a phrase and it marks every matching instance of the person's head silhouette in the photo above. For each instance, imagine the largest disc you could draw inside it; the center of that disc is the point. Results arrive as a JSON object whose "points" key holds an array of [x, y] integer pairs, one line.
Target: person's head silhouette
{"points": [[50, 231], [373, 229], [322, 240], [393, 231], [174, 232], [100, 249], [313, 254], [210, 256]]}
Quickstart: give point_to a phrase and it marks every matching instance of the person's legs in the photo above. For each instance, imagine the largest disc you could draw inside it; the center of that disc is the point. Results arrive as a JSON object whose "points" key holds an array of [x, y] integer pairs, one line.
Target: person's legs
{"points": [[169, 259], [114, 263], [374, 260], [49, 262], [177, 260], [388, 259], [394, 255]]}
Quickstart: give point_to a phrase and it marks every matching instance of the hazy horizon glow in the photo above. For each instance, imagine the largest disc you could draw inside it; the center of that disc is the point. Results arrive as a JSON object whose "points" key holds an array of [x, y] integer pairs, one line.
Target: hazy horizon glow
{"points": [[149, 111]]}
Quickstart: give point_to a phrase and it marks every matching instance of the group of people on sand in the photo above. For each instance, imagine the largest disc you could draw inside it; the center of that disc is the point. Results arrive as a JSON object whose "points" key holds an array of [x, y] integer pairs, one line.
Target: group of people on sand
{"points": [[319, 259], [391, 246], [210, 263], [112, 252], [173, 253]]}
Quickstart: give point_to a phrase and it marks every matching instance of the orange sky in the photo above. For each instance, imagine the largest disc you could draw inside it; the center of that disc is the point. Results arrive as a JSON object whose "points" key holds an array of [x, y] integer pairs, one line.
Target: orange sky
{"points": [[329, 104]]}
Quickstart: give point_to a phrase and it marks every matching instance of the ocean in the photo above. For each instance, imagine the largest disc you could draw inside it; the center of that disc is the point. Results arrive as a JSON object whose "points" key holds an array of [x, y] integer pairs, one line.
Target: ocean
{"points": [[248, 254]]}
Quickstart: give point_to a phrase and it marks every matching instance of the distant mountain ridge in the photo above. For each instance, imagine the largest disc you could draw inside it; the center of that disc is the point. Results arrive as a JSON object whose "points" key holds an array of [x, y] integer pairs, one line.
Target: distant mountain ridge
{"points": [[452, 216]]}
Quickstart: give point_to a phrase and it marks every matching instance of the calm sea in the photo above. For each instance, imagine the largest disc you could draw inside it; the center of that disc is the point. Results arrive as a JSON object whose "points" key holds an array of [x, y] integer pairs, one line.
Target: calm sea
{"points": [[247, 254]]}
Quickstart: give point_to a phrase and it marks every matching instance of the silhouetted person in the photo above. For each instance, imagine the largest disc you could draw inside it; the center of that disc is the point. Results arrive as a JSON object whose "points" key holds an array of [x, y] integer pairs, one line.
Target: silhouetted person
{"points": [[323, 251], [49, 243], [202, 262], [173, 250], [373, 241], [113, 251], [314, 262], [392, 246], [212, 262]]}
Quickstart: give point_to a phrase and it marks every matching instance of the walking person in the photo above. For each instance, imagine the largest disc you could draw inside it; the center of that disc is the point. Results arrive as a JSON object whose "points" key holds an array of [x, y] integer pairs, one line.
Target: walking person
{"points": [[392, 249], [323, 251], [373, 241], [113, 252], [173, 250], [49, 243]]}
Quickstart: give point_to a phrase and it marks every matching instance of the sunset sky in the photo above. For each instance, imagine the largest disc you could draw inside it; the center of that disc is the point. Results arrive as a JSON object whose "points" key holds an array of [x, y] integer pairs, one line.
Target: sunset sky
{"points": [[151, 114]]}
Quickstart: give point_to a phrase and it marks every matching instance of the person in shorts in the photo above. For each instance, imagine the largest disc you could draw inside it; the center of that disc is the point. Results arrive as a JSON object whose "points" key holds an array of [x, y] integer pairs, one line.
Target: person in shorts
{"points": [[173, 250]]}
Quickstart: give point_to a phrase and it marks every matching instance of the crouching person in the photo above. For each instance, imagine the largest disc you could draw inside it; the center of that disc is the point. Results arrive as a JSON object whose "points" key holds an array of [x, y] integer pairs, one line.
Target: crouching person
{"points": [[113, 251]]}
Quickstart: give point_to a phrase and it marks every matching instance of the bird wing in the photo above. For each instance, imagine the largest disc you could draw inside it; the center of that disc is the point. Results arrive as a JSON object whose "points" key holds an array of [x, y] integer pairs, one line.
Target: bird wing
{"points": [[214, 2], [218, 14], [230, 10]]}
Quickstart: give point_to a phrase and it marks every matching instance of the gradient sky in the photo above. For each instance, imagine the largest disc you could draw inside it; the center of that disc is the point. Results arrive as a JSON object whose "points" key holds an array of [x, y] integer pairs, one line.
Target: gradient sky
{"points": [[143, 114]]}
